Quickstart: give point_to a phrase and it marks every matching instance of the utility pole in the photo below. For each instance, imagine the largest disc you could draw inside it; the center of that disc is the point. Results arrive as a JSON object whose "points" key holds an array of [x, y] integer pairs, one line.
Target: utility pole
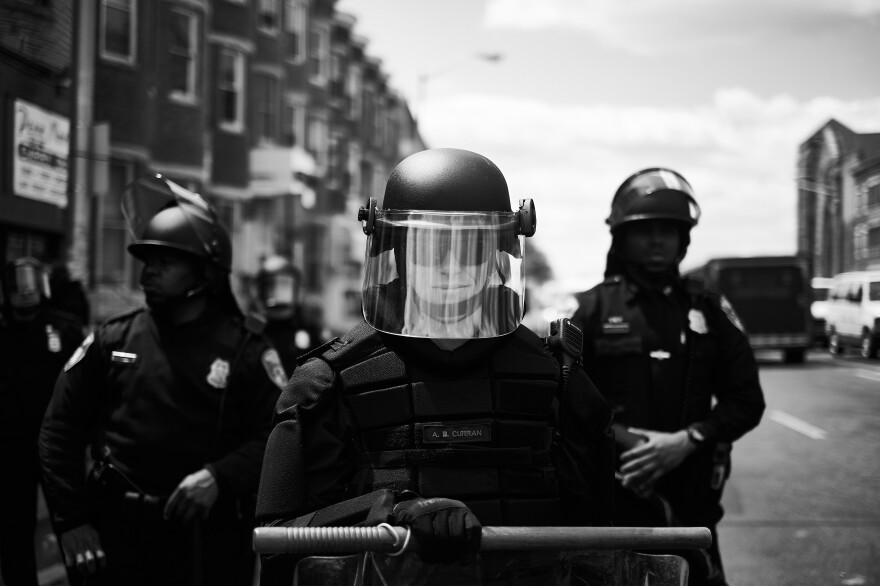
{"points": [[79, 184]]}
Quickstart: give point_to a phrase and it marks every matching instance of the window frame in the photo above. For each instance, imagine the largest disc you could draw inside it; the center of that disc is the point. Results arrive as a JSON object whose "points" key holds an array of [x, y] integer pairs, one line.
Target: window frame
{"points": [[320, 54], [190, 95], [237, 125], [106, 54], [274, 9], [273, 109], [296, 22]]}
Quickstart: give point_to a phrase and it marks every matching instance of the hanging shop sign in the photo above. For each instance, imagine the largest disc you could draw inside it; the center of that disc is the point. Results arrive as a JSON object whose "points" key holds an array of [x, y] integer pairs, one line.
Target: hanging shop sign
{"points": [[41, 145]]}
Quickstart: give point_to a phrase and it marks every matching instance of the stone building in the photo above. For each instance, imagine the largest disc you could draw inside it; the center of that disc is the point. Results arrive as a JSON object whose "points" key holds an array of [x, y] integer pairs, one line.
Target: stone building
{"points": [[838, 224]]}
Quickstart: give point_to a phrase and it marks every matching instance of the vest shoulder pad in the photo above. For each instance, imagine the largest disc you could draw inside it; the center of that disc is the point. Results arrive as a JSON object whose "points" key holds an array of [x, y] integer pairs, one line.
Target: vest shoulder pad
{"points": [[317, 351], [358, 343], [612, 280], [697, 289]]}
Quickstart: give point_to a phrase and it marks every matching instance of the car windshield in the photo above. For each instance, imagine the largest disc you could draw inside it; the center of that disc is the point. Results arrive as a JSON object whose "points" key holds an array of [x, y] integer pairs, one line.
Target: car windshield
{"points": [[820, 294], [874, 291]]}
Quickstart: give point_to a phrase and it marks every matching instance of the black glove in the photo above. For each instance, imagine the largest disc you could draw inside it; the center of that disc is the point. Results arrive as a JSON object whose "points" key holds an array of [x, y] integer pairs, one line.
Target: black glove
{"points": [[443, 530]]}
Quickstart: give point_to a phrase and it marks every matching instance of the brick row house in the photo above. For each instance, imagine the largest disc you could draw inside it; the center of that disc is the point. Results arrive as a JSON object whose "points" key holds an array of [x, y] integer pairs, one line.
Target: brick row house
{"points": [[838, 226], [272, 109]]}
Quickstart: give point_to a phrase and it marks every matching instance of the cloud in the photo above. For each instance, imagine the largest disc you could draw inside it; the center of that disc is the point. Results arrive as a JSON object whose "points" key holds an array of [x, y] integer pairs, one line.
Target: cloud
{"points": [[649, 26], [738, 151]]}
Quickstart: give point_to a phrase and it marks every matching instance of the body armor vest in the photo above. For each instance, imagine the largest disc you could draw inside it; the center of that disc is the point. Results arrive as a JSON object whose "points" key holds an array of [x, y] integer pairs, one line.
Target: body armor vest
{"points": [[479, 433]]}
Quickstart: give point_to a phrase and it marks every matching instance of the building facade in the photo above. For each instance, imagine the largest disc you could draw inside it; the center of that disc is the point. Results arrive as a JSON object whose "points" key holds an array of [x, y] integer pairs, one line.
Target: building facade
{"points": [[35, 47], [838, 227], [271, 109]]}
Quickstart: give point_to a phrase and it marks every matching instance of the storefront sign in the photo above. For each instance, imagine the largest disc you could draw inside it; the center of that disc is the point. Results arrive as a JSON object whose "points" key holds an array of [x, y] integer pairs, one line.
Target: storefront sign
{"points": [[40, 148]]}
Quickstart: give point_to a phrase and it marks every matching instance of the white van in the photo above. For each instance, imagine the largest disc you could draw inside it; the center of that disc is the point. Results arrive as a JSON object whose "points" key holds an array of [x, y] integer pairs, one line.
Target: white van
{"points": [[853, 317], [820, 288]]}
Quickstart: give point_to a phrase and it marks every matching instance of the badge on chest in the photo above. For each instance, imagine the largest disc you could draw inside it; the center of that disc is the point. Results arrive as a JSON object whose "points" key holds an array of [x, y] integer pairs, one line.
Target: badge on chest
{"points": [[218, 377]]}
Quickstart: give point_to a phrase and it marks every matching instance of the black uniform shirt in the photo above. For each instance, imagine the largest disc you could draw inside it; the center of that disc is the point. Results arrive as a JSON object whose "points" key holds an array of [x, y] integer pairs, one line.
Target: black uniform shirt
{"points": [[154, 395], [31, 356]]}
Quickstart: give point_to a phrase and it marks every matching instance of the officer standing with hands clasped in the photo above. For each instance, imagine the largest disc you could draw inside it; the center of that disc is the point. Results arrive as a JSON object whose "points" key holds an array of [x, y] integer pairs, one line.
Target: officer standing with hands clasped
{"points": [[35, 342], [175, 400], [439, 412], [673, 361]]}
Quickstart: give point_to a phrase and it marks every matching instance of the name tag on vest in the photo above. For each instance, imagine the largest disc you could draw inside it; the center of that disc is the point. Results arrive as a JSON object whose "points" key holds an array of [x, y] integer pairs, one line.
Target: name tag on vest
{"points": [[468, 432]]}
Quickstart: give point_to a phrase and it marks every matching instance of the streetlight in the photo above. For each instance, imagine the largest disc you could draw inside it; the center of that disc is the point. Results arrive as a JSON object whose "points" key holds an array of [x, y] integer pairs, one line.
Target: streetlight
{"points": [[424, 78]]}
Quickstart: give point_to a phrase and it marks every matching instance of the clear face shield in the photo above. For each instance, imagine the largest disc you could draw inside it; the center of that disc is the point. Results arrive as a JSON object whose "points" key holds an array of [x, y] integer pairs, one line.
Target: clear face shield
{"points": [[146, 197], [26, 285], [278, 290], [460, 275]]}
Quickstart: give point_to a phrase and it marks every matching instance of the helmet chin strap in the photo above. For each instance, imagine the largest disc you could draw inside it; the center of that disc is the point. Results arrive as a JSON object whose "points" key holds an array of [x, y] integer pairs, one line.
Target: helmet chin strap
{"points": [[170, 304]]}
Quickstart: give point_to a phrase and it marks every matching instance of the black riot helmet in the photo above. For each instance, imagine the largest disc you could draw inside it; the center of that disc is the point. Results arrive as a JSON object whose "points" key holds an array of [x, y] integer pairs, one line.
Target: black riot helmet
{"points": [[445, 210], [654, 194], [161, 213], [25, 286]]}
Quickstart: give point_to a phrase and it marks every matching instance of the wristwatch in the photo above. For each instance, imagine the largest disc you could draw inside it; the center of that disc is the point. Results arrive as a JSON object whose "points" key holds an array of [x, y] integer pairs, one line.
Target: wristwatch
{"points": [[696, 436]]}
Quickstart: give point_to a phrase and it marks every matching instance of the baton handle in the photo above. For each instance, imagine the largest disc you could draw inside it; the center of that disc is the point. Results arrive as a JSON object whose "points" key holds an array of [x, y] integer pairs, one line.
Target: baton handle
{"points": [[330, 540]]}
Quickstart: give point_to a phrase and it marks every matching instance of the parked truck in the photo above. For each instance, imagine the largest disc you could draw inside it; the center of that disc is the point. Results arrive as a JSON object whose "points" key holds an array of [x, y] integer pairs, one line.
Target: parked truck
{"points": [[771, 295]]}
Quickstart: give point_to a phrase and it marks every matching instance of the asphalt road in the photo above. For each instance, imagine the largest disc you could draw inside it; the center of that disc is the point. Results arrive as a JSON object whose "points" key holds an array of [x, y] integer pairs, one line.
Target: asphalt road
{"points": [[803, 505]]}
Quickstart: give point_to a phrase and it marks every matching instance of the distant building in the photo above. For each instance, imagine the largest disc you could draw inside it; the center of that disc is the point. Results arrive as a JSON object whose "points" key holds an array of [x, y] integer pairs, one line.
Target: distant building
{"points": [[838, 227], [272, 109], [35, 126]]}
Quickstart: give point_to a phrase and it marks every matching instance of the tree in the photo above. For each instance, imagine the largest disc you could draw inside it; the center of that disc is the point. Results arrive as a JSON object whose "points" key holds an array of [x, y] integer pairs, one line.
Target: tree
{"points": [[538, 270]]}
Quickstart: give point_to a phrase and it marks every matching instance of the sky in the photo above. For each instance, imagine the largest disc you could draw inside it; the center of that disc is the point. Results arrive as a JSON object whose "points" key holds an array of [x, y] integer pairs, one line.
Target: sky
{"points": [[586, 92]]}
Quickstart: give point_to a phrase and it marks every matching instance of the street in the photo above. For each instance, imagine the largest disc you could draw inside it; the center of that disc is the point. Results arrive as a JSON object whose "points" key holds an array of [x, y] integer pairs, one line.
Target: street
{"points": [[802, 502]]}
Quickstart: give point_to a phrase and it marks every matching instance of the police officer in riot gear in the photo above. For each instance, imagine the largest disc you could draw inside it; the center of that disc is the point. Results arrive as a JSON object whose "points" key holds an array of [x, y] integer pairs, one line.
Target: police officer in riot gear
{"points": [[277, 297], [439, 405], [175, 400], [673, 361], [35, 341]]}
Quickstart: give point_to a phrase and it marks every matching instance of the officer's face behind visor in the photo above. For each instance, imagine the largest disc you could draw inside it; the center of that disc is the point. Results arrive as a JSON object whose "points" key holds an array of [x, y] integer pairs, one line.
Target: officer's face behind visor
{"points": [[461, 274], [25, 284]]}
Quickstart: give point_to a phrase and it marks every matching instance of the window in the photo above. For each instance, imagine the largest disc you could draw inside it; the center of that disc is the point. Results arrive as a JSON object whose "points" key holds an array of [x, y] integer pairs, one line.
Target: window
{"points": [[354, 91], [266, 105], [183, 52], [230, 89], [873, 242], [115, 266], [874, 195], [293, 123], [337, 83], [267, 16], [319, 54], [317, 141], [296, 25], [118, 26]]}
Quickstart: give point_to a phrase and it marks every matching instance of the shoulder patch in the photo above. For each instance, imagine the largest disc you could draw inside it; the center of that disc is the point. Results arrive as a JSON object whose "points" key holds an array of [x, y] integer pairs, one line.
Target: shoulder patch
{"points": [[79, 352], [612, 280], [272, 363], [727, 308]]}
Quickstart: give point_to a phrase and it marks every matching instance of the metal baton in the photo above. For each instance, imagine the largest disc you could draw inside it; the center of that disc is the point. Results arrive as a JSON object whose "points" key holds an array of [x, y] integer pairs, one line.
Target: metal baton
{"points": [[337, 540]]}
